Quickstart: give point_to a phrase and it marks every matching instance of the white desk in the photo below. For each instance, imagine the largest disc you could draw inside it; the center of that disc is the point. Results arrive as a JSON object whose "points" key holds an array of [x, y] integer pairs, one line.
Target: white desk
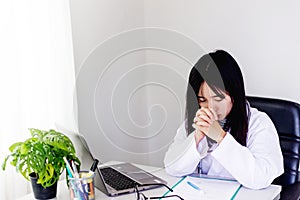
{"points": [[272, 192]]}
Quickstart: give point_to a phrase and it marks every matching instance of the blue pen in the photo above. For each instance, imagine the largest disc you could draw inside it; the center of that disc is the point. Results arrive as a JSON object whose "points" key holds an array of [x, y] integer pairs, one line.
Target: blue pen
{"points": [[193, 185]]}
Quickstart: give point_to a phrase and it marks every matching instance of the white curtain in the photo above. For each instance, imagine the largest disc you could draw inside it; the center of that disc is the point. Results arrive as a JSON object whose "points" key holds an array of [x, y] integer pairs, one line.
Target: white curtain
{"points": [[37, 77]]}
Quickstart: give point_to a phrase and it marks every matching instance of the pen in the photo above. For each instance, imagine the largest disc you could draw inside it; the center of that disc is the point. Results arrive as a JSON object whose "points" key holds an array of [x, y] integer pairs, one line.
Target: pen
{"points": [[94, 166], [195, 187], [69, 169]]}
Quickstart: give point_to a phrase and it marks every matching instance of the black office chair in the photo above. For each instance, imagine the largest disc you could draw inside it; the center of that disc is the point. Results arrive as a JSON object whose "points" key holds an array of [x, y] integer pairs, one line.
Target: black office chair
{"points": [[286, 118]]}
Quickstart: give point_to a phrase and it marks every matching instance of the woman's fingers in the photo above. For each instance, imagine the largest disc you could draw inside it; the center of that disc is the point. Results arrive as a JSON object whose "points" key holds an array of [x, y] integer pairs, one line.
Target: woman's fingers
{"points": [[202, 118], [194, 126], [202, 126], [203, 123], [196, 119], [214, 113], [207, 112], [206, 119], [198, 113]]}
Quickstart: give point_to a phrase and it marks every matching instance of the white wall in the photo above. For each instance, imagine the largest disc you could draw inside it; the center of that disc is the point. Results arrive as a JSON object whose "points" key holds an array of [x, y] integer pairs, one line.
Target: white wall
{"points": [[262, 35], [131, 79]]}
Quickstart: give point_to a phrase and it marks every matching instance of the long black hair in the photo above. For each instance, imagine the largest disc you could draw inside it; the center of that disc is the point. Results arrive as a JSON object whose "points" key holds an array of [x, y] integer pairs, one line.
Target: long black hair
{"points": [[222, 74]]}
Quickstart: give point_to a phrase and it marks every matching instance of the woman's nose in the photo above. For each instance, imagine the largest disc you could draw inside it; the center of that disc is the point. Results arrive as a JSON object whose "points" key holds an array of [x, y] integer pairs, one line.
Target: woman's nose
{"points": [[204, 104], [210, 104]]}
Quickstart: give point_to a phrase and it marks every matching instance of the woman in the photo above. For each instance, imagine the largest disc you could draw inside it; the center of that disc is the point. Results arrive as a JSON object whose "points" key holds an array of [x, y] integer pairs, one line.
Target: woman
{"points": [[222, 135]]}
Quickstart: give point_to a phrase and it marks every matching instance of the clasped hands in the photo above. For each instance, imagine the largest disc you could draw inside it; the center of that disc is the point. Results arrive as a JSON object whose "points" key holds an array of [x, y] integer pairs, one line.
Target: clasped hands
{"points": [[205, 123]]}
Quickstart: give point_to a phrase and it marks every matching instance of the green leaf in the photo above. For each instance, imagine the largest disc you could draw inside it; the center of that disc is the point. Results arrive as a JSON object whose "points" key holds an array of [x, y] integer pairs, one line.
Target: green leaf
{"points": [[46, 174], [59, 140], [14, 146], [24, 169], [4, 163], [24, 149], [36, 133]]}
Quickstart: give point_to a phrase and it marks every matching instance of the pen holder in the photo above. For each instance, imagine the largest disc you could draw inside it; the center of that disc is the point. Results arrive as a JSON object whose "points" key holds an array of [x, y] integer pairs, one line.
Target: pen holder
{"points": [[82, 188]]}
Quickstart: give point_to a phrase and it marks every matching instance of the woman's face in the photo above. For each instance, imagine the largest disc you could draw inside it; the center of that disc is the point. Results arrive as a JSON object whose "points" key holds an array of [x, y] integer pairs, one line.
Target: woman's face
{"points": [[208, 99]]}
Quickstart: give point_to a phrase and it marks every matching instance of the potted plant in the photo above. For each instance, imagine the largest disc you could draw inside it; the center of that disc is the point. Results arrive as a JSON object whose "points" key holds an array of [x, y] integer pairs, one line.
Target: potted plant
{"points": [[40, 159]]}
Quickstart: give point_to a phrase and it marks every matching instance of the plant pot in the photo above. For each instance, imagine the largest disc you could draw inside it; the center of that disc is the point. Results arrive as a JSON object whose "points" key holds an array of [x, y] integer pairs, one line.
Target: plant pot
{"points": [[39, 191]]}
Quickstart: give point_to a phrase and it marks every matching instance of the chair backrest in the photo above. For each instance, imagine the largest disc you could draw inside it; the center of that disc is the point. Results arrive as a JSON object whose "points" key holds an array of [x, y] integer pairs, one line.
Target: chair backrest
{"points": [[286, 118]]}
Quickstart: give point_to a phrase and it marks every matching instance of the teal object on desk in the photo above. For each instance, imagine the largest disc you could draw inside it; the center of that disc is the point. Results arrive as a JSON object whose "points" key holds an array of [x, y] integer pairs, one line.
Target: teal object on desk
{"points": [[193, 185]]}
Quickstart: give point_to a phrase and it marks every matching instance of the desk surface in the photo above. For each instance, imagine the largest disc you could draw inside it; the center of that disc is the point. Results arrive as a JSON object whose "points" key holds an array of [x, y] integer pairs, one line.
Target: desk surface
{"points": [[272, 192]]}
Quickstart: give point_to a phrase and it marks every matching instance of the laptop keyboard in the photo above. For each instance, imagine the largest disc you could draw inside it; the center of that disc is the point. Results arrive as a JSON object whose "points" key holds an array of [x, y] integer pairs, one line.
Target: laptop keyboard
{"points": [[117, 180]]}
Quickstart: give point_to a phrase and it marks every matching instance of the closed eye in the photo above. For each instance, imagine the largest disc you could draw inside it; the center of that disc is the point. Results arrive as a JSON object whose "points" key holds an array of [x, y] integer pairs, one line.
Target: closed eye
{"points": [[218, 99], [201, 99]]}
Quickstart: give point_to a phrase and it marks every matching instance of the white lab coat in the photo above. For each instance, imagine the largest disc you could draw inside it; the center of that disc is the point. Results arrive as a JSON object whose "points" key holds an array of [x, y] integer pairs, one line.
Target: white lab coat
{"points": [[254, 166]]}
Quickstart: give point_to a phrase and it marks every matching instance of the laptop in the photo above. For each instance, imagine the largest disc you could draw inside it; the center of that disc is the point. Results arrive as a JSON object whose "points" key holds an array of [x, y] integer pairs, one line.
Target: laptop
{"points": [[113, 179], [122, 178]]}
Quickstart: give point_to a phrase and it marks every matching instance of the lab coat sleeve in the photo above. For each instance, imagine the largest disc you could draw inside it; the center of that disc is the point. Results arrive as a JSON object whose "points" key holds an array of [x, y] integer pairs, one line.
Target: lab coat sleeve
{"points": [[182, 157], [258, 164]]}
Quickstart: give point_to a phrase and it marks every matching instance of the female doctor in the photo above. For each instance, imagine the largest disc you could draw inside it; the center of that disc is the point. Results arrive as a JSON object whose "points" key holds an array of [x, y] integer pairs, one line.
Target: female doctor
{"points": [[222, 135]]}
